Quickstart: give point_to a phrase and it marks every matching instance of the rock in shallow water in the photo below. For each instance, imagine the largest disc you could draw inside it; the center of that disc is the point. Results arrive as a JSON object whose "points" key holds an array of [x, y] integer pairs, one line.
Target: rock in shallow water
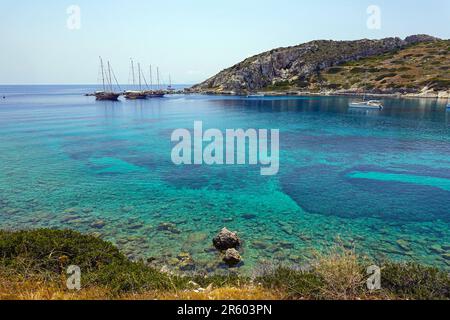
{"points": [[232, 257], [168, 226], [99, 224], [226, 240]]}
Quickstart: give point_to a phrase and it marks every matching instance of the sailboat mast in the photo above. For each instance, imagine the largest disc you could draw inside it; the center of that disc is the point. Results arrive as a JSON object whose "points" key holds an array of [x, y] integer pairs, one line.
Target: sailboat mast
{"points": [[132, 73], [151, 78], [109, 77], [139, 70], [103, 73], [157, 78]]}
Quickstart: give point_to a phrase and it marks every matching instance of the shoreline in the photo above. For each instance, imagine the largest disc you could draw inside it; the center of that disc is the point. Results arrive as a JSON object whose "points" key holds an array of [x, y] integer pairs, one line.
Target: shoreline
{"points": [[435, 95]]}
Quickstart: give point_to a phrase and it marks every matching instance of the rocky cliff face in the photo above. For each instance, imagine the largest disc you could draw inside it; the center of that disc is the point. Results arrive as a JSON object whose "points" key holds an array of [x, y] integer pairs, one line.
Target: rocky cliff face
{"points": [[298, 63]]}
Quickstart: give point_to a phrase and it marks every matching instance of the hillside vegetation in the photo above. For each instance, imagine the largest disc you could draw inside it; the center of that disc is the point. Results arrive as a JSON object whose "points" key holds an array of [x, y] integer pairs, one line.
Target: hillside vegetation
{"points": [[424, 65], [418, 65]]}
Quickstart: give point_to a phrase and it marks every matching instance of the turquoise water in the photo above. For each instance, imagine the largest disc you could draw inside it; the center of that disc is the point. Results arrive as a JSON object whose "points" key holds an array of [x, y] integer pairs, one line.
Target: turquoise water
{"points": [[378, 181]]}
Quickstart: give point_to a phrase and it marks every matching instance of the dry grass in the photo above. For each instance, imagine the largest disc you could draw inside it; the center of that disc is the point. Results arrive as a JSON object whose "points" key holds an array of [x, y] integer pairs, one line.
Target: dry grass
{"points": [[37, 289], [225, 293], [341, 274]]}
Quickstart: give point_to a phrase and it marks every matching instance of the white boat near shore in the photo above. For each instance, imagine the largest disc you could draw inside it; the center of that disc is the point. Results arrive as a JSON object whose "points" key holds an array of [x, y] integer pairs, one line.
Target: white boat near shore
{"points": [[371, 104], [256, 95]]}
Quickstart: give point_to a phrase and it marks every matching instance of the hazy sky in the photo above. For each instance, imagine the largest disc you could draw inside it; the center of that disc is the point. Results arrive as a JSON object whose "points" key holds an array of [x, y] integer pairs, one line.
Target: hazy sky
{"points": [[191, 39]]}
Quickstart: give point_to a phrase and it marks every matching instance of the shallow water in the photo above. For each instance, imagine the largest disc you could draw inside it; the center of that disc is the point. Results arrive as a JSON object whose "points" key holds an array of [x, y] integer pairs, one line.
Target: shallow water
{"points": [[378, 181]]}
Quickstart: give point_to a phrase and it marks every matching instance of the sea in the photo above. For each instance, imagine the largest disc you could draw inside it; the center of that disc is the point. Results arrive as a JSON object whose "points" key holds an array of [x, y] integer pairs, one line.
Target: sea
{"points": [[376, 182]]}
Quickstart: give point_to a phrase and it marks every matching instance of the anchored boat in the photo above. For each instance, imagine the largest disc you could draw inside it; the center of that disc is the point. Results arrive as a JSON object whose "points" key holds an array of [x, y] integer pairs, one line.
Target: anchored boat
{"points": [[107, 75], [256, 95], [158, 93], [135, 94], [371, 104]]}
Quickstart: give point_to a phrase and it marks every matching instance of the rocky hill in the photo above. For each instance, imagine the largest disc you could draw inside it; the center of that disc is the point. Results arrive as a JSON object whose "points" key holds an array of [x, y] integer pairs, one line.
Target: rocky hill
{"points": [[419, 64]]}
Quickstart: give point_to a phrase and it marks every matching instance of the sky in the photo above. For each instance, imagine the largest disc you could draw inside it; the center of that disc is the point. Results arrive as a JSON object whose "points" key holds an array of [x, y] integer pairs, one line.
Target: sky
{"points": [[189, 39]]}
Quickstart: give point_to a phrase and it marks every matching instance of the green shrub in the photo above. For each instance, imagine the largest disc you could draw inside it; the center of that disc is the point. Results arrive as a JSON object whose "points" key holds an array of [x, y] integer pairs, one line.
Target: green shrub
{"points": [[414, 281], [50, 252], [134, 277], [357, 70], [386, 75], [53, 250], [334, 70]]}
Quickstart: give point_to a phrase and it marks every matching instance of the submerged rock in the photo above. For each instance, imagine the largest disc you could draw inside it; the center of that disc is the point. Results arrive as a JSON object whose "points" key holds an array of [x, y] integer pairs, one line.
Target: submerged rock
{"points": [[185, 262], [232, 257], [436, 249], [170, 227], [403, 244], [226, 240], [259, 245], [99, 224], [197, 237]]}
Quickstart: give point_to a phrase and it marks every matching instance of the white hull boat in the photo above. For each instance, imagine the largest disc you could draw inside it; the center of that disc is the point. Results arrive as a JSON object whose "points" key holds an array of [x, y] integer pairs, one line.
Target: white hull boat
{"points": [[372, 104]]}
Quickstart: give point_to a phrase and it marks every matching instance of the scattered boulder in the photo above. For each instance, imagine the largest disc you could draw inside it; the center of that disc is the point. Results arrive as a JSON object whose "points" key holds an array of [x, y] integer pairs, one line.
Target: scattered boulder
{"points": [[226, 240], [232, 257]]}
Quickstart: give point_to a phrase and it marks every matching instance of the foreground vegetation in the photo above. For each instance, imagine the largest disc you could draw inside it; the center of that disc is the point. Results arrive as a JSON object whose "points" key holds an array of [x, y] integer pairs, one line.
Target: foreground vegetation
{"points": [[33, 265]]}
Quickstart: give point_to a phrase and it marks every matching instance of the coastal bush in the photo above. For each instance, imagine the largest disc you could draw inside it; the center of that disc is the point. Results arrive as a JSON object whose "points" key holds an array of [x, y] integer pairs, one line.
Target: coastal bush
{"points": [[358, 70], [334, 70], [54, 250], [414, 281], [48, 253], [386, 75], [135, 277]]}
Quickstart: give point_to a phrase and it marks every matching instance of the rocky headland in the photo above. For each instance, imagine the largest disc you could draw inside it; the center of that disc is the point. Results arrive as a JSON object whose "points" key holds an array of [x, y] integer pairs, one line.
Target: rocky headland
{"points": [[415, 66]]}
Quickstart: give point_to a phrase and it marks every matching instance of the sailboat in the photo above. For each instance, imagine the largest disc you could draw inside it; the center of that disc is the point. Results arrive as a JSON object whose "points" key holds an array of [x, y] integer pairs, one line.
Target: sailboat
{"points": [[158, 93], [107, 93], [170, 88], [367, 104], [370, 104], [135, 94], [448, 103]]}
